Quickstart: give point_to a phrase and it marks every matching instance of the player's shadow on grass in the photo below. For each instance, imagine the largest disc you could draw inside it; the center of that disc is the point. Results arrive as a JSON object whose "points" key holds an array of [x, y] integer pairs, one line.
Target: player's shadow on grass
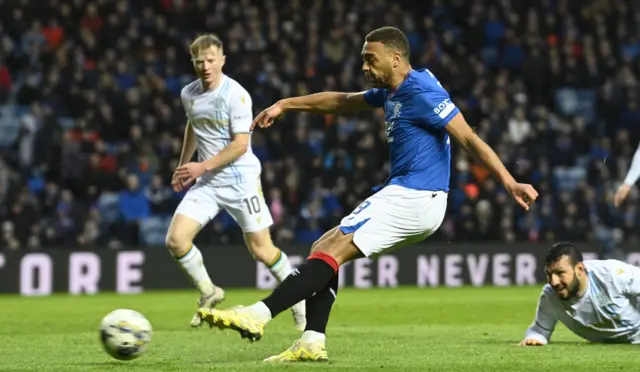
{"points": [[229, 359], [156, 363]]}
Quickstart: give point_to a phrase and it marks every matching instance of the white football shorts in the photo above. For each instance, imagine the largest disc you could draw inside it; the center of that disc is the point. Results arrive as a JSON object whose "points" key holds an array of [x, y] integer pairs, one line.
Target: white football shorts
{"points": [[245, 203], [393, 217]]}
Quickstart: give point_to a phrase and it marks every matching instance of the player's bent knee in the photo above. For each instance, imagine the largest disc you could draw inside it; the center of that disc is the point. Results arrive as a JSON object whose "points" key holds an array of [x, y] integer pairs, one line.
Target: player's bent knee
{"points": [[180, 236], [178, 246]]}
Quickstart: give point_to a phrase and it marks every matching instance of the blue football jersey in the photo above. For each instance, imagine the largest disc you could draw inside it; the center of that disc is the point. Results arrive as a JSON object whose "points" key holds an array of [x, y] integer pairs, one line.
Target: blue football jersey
{"points": [[416, 113]]}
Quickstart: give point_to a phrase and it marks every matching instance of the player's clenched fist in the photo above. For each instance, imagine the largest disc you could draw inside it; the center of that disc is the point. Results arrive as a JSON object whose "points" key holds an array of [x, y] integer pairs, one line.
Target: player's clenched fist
{"points": [[524, 194], [621, 194], [531, 342], [266, 118]]}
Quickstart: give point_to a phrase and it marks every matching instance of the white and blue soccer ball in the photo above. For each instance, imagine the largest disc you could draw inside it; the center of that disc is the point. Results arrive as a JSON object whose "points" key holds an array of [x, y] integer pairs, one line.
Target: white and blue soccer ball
{"points": [[125, 334]]}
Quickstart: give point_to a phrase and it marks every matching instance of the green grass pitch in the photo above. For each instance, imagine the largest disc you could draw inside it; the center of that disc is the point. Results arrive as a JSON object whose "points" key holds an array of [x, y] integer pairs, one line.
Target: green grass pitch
{"points": [[402, 329]]}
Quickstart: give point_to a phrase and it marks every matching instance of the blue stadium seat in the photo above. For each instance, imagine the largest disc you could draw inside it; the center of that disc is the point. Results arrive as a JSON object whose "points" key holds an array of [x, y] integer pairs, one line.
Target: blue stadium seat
{"points": [[569, 178], [153, 230], [108, 204]]}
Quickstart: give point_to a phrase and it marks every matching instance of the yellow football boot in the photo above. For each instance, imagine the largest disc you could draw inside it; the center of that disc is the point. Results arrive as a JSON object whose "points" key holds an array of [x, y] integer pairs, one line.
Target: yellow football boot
{"points": [[237, 318], [302, 351]]}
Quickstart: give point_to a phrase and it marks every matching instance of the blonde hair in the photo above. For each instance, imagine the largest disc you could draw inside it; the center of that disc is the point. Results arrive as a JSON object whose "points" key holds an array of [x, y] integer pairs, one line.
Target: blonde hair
{"points": [[204, 42]]}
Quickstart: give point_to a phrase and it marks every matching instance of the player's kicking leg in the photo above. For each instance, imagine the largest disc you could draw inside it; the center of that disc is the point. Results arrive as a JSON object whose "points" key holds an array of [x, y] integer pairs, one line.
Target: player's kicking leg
{"points": [[311, 346], [373, 228], [312, 276], [196, 209]]}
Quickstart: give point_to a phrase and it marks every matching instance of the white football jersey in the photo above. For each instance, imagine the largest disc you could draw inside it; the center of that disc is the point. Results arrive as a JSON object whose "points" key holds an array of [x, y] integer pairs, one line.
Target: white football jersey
{"points": [[608, 311], [215, 117]]}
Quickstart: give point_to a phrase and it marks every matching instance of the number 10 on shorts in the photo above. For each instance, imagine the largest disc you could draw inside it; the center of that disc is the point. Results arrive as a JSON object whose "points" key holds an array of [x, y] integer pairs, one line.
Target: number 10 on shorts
{"points": [[253, 204]]}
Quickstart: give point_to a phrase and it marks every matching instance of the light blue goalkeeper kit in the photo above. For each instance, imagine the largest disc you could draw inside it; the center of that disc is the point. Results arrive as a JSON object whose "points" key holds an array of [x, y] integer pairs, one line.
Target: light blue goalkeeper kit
{"points": [[607, 312]]}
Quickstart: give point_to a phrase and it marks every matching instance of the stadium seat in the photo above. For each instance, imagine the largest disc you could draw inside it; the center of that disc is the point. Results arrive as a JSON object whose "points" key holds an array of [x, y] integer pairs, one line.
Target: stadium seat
{"points": [[108, 205], [153, 230]]}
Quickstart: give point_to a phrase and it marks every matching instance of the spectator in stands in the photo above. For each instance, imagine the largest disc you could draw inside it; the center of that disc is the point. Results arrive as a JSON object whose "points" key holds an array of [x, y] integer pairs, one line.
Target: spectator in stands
{"points": [[134, 207]]}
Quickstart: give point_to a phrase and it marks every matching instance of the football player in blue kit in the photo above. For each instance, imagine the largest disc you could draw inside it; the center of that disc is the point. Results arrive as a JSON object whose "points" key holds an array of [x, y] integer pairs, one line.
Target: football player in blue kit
{"points": [[420, 118]]}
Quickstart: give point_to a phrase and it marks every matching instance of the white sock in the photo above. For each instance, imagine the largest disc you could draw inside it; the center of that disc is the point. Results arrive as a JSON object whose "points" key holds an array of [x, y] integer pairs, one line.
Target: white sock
{"points": [[261, 311], [313, 336], [193, 265], [281, 268]]}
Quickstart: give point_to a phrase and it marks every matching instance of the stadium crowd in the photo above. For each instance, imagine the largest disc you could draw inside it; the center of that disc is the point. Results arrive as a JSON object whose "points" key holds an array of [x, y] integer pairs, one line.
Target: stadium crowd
{"points": [[91, 122]]}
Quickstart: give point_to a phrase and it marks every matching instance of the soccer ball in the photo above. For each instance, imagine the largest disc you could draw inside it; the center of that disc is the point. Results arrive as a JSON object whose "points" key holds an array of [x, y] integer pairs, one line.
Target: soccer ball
{"points": [[125, 334]]}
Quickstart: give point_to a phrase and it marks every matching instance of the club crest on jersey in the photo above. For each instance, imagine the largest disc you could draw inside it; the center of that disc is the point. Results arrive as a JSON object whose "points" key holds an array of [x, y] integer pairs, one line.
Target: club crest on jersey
{"points": [[390, 124], [396, 110], [218, 104], [601, 298]]}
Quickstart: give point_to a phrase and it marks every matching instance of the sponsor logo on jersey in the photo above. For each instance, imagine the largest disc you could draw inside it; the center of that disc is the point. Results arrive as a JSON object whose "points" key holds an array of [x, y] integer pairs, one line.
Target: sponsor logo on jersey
{"points": [[444, 108], [202, 122], [240, 117]]}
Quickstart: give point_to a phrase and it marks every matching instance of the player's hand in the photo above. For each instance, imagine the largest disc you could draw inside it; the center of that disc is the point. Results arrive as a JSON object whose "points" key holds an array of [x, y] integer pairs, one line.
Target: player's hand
{"points": [[176, 182], [530, 342], [524, 194], [621, 194], [187, 173], [266, 118]]}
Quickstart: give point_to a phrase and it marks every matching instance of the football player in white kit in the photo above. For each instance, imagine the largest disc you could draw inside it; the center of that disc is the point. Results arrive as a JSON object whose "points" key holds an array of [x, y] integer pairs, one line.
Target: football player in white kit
{"points": [[226, 175], [597, 300]]}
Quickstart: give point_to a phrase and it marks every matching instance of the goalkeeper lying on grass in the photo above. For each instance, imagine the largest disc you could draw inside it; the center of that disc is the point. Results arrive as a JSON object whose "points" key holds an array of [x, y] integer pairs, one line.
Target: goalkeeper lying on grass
{"points": [[595, 299]]}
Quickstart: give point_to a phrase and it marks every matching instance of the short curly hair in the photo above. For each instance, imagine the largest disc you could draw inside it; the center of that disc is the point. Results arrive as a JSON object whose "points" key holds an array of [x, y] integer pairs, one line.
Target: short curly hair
{"points": [[391, 38]]}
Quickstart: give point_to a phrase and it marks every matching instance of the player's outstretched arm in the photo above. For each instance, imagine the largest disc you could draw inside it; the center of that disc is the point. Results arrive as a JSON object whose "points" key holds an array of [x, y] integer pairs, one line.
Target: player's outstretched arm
{"points": [[540, 331], [458, 128], [319, 103], [632, 177]]}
